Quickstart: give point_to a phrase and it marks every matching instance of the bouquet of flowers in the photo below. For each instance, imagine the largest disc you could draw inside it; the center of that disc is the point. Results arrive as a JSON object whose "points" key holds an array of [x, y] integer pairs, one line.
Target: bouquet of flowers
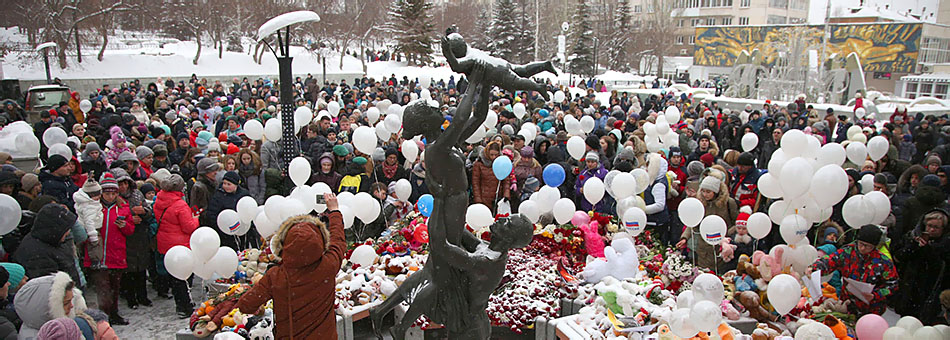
{"points": [[677, 273]]}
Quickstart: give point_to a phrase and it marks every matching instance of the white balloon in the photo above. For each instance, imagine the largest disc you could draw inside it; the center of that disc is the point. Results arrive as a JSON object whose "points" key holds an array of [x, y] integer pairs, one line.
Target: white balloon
{"points": [[204, 242], [299, 170], [302, 116], [334, 108], [204, 270], [685, 299], [27, 143], [662, 126], [587, 124], [247, 208], [180, 262], [795, 176], [372, 115], [706, 316], [829, 185], [85, 105], [403, 190], [784, 291], [410, 150], [364, 139], [860, 138], [519, 110], [672, 114], [928, 332], [60, 149], [272, 207], [650, 129], [491, 119], [224, 262], [857, 153], [691, 211], [348, 216], [643, 180], [563, 210], [896, 333], [708, 287], [856, 212], [793, 228], [384, 105], [559, 96], [293, 207], [854, 130], [909, 323], [623, 185], [794, 142], [381, 132], [713, 229], [877, 147], [531, 210], [681, 324], [54, 135], [393, 123], [769, 186], [749, 141], [881, 205], [364, 256], [272, 130], [776, 162], [394, 109], [479, 216], [576, 147], [778, 210], [867, 183], [366, 207], [254, 129], [634, 221], [813, 148], [477, 136], [593, 190], [572, 125], [264, 226], [547, 196], [759, 225], [10, 214], [831, 153]]}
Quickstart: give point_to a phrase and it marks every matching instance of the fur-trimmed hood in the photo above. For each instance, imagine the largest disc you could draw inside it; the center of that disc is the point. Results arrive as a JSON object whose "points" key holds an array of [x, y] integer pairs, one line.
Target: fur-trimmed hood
{"points": [[41, 300], [903, 184], [304, 240]]}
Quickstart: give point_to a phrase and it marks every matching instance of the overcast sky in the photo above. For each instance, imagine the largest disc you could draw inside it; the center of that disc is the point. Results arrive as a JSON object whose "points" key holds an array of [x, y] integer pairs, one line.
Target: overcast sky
{"points": [[818, 7]]}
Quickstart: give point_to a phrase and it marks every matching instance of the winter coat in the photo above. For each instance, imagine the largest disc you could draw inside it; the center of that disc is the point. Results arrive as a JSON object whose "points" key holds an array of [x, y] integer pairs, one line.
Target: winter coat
{"points": [[723, 206], [417, 180], [270, 155], [923, 274], [874, 268], [175, 220], [744, 186], [485, 187], [220, 201], [61, 188], [303, 298], [95, 165], [41, 300], [254, 182], [114, 237], [41, 252], [380, 175], [658, 213], [139, 238], [925, 199], [200, 194], [89, 212], [582, 178], [526, 168]]}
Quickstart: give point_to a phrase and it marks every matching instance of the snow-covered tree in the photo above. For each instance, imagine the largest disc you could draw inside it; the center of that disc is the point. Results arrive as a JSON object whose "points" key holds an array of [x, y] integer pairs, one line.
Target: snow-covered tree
{"points": [[503, 33], [581, 37], [526, 30], [617, 56], [479, 37], [411, 26]]}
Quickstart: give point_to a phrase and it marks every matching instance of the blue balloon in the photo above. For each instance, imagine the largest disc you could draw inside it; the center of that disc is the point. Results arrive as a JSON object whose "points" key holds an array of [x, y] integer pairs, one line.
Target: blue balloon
{"points": [[425, 205], [553, 175], [501, 166]]}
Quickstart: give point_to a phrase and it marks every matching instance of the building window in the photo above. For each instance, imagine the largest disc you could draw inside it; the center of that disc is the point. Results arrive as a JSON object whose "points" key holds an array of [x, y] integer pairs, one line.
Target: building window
{"points": [[680, 40], [743, 21], [692, 40], [778, 3], [940, 91], [926, 89], [711, 21], [727, 21], [696, 22], [745, 3], [637, 8], [680, 23], [776, 20]]}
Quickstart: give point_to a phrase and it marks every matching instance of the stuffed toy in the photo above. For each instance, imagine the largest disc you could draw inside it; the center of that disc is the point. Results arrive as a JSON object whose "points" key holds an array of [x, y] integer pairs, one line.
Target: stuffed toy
{"points": [[727, 249], [750, 301], [264, 329], [592, 239], [810, 329], [763, 332], [744, 266], [729, 311], [838, 328], [621, 261]]}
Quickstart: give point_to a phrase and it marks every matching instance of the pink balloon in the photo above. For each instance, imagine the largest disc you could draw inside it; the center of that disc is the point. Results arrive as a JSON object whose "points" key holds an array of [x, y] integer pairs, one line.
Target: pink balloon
{"points": [[580, 218], [871, 326]]}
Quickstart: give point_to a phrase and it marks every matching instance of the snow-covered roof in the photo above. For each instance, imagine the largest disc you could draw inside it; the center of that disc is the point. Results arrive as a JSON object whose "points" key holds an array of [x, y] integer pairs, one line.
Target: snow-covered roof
{"points": [[285, 20], [880, 14], [934, 77], [48, 87]]}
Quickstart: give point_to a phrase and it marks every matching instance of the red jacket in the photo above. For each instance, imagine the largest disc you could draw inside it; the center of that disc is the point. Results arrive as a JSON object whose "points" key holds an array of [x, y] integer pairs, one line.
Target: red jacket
{"points": [[175, 220], [113, 248]]}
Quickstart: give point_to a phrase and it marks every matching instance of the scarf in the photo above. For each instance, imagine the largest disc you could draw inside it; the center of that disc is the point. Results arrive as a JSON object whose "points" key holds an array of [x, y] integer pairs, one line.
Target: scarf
{"points": [[247, 170], [389, 171]]}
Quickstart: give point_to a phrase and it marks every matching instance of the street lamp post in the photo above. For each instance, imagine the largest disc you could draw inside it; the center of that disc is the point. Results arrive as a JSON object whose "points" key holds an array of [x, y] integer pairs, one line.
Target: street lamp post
{"points": [[43, 48], [289, 144]]}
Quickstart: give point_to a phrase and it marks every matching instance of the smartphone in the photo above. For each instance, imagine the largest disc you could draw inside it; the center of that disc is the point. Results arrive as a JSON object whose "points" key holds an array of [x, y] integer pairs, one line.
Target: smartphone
{"points": [[321, 200]]}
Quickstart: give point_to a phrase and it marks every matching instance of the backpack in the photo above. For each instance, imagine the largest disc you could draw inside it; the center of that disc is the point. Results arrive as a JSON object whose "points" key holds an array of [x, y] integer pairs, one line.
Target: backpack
{"points": [[351, 183]]}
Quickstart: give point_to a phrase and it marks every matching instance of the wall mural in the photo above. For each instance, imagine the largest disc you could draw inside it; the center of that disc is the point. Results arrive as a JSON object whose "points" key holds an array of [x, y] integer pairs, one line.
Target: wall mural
{"points": [[891, 47]]}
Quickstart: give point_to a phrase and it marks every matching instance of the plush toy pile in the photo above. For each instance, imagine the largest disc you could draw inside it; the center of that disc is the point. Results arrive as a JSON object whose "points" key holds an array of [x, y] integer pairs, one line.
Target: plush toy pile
{"points": [[219, 314], [360, 288]]}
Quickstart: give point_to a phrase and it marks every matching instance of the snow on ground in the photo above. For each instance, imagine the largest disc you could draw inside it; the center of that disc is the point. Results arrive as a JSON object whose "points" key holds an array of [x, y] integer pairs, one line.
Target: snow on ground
{"points": [[158, 322]]}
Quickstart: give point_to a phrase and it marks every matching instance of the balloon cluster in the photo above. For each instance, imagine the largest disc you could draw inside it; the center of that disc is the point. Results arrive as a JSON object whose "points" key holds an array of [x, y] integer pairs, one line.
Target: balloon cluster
{"points": [[204, 257], [660, 135]]}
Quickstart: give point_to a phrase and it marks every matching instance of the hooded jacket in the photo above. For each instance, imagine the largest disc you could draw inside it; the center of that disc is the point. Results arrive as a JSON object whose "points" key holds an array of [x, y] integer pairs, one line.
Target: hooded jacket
{"points": [[923, 273], [310, 253], [61, 188], [175, 220], [220, 201], [89, 212], [114, 237], [95, 165], [655, 195], [41, 300], [43, 251], [332, 179], [723, 206], [582, 178]]}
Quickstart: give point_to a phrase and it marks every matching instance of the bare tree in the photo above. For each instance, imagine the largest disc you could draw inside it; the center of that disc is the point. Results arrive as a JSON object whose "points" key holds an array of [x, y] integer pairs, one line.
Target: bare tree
{"points": [[656, 27], [61, 19]]}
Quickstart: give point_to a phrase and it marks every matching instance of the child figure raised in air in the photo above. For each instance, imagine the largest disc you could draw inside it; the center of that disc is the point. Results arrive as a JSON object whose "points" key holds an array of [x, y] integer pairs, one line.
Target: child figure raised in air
{"points": [[499, 72]]}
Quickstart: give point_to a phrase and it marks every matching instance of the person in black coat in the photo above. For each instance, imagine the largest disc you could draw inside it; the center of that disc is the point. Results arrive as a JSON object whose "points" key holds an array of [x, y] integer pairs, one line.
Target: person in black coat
{"points": [[923, 268], [92, 160], [56, 181], [44, 250], [226, 197], [390, 170]]}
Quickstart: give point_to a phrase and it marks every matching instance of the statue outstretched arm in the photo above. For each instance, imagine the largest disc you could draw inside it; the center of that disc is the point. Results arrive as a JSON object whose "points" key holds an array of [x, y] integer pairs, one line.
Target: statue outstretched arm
{"points": [[454, 133], [459, 258], [481, 110]]}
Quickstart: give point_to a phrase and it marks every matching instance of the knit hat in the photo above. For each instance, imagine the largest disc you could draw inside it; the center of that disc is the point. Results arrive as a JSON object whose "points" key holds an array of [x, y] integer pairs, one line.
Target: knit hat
{"points": [[91, 188], [707, 159], [562, 136], [695, 168], [360, 160], [142, 152], [108, 182], [4, 276], [197, 124], [870, 233], [55, 162], [746, 158], [232, 149], [532, 183], [127, 156], [390, 151], [591, 156], [675, 151], [173, 183], [15, 273], [92, 146], [182, 135], [710, 183], [206, 165], [931, 180], [232, 177], [160, 150], [118, 137], [60, 328], [29, 181], [743, 218], [830, 231], [340, 150], [147, 188], [527, 151], [933, 159], [593, 142]]}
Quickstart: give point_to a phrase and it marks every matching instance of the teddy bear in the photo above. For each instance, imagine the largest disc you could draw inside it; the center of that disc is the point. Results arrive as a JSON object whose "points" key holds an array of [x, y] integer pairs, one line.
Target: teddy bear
{"points": [[837, 327], [763, 332], [750, 301], [810, 329], [264, 329], [621, 261]]}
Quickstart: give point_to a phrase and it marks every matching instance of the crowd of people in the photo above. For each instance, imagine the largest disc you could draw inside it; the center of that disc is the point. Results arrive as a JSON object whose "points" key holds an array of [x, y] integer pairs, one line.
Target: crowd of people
{"points": [[153, 162]]}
